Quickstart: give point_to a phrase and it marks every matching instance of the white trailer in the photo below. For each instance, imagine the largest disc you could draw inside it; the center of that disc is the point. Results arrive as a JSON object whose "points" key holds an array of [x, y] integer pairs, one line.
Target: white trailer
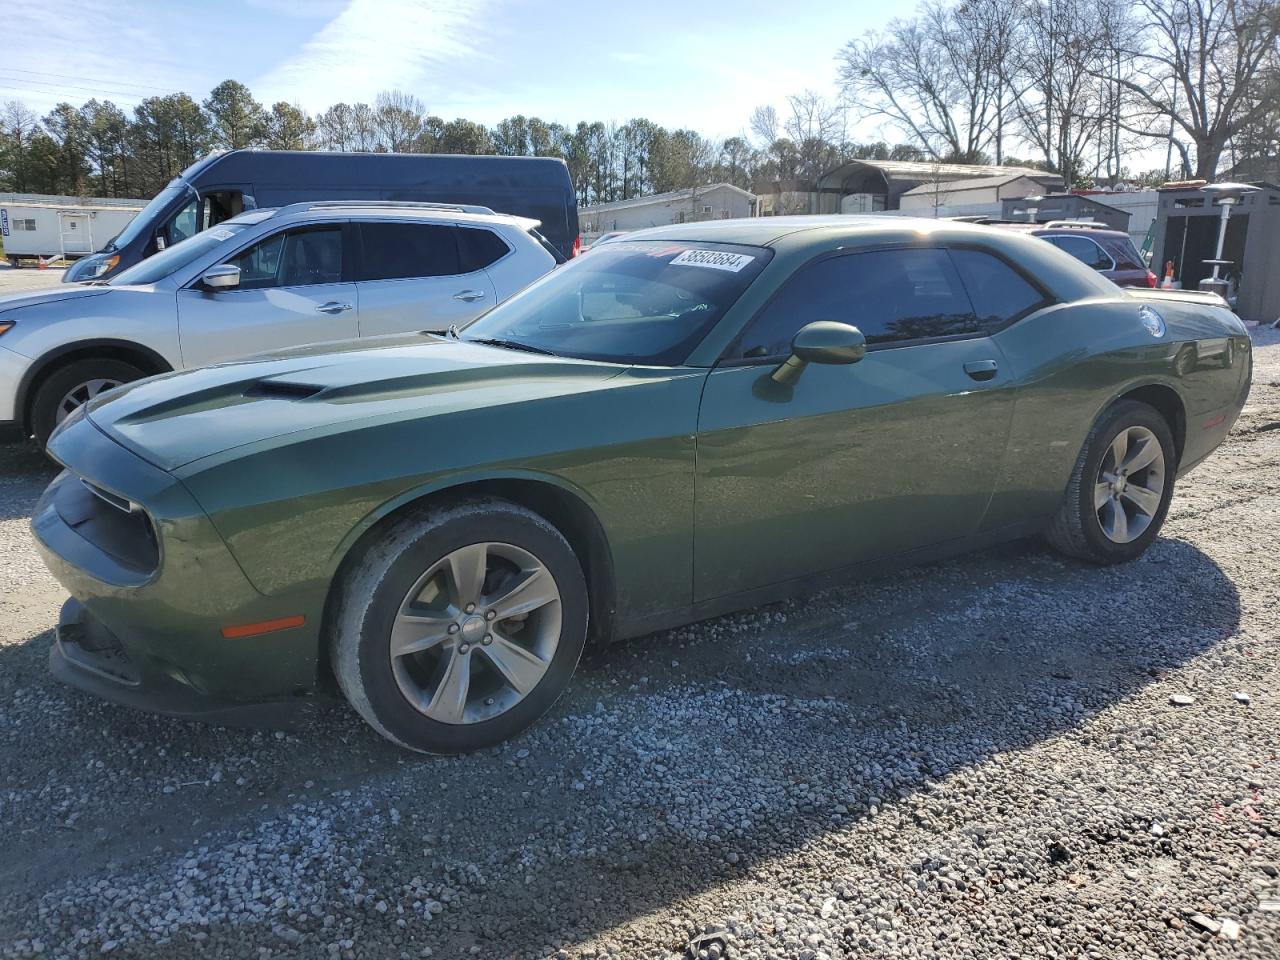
{"points": [[36, 227]]}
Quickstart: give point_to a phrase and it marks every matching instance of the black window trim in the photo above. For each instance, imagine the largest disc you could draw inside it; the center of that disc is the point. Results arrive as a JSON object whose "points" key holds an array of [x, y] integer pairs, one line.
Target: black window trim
{"points": [[1047, 300]]}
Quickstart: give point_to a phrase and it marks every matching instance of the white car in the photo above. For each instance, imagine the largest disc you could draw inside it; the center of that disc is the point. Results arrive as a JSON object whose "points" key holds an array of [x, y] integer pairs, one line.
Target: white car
{"points": [[265, 280]]}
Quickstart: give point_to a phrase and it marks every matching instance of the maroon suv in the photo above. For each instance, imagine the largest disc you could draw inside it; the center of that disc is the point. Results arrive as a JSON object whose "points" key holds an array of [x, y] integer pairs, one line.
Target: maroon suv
{"points": [[1108, 251]]}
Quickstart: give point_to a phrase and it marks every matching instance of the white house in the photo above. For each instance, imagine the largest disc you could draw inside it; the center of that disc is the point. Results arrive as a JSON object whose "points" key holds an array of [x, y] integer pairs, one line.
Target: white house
{"points": [[716, 201]]}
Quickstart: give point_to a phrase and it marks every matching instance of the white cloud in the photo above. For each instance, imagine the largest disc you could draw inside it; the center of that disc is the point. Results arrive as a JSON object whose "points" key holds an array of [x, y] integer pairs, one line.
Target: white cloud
{"points": [[375, 45]]}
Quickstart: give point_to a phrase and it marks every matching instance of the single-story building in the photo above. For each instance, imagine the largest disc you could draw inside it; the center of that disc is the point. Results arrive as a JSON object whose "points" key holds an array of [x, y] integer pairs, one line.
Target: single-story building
{"points": [[715, 201], [871, 186], [943, 193]]}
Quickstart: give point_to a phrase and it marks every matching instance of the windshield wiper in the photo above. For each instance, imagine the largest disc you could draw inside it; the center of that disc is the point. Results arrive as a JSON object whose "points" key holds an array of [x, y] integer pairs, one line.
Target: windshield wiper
{"points": [[511, 345]]}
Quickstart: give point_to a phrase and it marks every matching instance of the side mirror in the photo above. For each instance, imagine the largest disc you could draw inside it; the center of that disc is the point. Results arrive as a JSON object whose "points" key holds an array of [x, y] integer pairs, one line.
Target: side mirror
{"points": [[222, 277], [823, 341]]}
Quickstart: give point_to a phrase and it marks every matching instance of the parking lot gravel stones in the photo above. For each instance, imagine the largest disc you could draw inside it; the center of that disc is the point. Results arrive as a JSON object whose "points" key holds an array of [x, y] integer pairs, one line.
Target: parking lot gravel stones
{"points": [[981, 758]]}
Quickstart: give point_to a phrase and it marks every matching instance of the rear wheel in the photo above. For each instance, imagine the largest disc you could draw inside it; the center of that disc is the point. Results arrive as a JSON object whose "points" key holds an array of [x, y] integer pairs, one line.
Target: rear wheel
{"points": [[1120, 488], [72, 386], [460, 626]]}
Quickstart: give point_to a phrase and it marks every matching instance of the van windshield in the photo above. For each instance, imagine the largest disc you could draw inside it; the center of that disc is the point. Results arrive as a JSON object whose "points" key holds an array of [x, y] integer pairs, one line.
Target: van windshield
{"points": [[645, 302], [176, 257], [149, 216]]}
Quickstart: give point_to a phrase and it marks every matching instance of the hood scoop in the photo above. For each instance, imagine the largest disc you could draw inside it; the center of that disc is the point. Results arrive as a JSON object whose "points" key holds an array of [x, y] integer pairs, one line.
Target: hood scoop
{"points": [[283, 390]]}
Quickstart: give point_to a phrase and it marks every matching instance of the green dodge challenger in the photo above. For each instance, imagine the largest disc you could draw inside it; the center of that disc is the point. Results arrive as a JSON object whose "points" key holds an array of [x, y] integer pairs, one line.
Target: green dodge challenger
{"points": [[689, 420]]}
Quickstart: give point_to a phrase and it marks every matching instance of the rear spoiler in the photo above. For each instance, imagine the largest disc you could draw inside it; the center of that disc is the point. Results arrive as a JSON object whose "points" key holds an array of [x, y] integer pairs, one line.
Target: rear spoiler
{"points": [[1202, 297]]}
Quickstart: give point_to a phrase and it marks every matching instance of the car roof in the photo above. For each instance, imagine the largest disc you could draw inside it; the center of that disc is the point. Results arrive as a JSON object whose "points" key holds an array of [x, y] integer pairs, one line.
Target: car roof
{"points": [[825, 230], [380, 210]]}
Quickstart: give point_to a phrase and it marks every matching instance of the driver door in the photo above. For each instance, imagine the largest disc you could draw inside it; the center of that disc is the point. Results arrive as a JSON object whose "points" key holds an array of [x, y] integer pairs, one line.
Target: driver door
{"points": [[854, 462], [292, 292]]}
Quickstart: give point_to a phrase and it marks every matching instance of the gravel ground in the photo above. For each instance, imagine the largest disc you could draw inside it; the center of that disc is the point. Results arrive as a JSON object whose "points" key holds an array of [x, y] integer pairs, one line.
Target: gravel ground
{"points": [[28, 278], [1009, 755]]}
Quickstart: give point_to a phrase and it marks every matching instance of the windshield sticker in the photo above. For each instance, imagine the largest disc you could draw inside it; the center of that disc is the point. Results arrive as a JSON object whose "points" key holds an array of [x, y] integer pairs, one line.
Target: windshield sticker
{"points": [[221, 234], [715, 259]]}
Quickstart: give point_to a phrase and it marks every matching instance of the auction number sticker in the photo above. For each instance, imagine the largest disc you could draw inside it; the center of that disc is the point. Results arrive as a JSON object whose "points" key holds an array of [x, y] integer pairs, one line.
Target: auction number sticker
{"points": [[715, 259]]}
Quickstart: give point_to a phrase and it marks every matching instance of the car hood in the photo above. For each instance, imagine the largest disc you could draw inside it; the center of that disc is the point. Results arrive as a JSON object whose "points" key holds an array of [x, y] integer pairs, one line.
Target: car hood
{"points": [[175, 419], [16, 300]]}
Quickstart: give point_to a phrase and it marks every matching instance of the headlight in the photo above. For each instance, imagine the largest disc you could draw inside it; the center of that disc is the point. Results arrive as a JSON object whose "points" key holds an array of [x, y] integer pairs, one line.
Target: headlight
{"points": [[105, 266]]}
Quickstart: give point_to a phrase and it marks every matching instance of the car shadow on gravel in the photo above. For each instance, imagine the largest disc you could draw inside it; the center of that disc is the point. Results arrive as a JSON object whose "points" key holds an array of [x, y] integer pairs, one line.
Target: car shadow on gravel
{"points": [[676, 762]]}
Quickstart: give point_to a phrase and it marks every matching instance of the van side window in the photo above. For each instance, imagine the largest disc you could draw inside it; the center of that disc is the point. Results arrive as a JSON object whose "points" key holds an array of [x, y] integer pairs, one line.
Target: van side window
{"points": [[294, 258], [480, 248], [403, 251]]}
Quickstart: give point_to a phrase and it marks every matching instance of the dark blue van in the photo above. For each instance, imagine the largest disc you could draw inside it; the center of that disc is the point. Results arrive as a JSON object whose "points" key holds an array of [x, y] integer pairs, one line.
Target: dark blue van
{"points": [[222, 185]]}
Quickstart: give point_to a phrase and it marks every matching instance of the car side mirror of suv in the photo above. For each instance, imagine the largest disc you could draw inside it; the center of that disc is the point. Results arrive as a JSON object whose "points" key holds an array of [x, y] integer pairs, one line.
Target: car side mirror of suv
{"points": [[823, 341], [225, 276]]}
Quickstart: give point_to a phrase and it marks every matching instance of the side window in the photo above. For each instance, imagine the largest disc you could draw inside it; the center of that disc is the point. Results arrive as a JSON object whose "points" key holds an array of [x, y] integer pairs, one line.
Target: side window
{"points": [[1125, 253], [295, 258], [185, 223], [890, 295], [1000, 294], [479, 248], [402, 251], [1084, 250]]}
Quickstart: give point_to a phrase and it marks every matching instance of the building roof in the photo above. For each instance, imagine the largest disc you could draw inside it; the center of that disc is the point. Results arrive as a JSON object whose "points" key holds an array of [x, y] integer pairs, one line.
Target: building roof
{"points": [[80, 203], [928, 170], [959, 186], [670, 196]]}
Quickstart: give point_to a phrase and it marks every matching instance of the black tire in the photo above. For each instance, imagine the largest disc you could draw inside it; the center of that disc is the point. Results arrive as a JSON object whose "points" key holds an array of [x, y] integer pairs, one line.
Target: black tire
{"points": [[376, 582], [55, 386], [1077, 530]]}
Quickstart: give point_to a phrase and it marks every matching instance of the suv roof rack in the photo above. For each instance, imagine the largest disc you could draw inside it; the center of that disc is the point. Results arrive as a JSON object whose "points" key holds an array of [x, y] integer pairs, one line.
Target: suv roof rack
{"points": [[384, 205], [1083, 224]]}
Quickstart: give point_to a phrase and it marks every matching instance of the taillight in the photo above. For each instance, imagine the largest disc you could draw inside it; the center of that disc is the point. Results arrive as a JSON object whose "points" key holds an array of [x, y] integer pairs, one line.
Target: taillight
{"points": [[577, 245], [1151, 280]]}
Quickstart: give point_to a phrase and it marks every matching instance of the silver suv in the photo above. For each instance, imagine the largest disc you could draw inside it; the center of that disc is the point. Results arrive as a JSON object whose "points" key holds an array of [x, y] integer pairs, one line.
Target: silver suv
{"points": [[264, 280]]}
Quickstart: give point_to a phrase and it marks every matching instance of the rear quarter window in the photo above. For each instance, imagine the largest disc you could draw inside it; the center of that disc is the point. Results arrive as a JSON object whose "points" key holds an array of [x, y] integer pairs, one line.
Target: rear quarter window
{"points": [[1000, 294]]}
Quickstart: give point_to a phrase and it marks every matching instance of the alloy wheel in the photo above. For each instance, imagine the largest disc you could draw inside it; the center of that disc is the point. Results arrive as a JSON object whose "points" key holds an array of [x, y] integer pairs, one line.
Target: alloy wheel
{"points": [[81, 394], [1130, 484], [476, 633]]}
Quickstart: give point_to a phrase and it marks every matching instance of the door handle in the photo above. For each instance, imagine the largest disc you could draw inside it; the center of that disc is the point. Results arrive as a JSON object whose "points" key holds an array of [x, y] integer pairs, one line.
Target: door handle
{"points": [[981, 369], [333, 306], [469, 296]]}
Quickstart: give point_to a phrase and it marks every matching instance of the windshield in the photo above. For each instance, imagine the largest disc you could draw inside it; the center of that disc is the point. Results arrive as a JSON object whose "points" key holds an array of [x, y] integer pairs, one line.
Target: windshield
{"points": [[176, 257], [147, 217], [645, 301]]}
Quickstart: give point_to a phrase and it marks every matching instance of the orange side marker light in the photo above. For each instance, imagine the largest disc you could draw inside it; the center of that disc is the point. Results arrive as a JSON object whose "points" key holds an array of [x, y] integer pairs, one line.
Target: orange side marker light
{"points": [[263, 626]]}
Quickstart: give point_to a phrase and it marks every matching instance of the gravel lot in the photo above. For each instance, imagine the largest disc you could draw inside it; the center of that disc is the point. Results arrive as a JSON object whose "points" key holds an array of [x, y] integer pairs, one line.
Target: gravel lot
{"points": [[28, 278], [984, 758]]}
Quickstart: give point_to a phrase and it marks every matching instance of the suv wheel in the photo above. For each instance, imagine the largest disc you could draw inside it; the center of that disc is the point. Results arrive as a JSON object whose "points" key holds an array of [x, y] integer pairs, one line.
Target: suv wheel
{"points": [[73, 385]]}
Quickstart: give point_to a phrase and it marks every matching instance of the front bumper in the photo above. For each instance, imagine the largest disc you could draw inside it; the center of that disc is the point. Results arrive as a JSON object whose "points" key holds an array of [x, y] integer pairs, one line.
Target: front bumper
{"points": [[88, 656], [159, 612], [13, 367]]}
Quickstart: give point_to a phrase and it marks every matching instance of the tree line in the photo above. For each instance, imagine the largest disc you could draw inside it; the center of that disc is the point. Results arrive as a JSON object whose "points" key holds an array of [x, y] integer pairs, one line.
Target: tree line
{"points": [[1076, 87]]}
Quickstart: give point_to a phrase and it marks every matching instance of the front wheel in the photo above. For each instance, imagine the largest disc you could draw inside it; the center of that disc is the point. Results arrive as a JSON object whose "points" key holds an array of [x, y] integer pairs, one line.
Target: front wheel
{"points": [[73, 385], [1120, 488], [460, 626]]}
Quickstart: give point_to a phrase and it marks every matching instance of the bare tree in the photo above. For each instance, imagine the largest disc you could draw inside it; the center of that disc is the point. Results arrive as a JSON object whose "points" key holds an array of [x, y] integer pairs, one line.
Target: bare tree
{"points": [[764, 124], [941, 78], [1204, 71], [1061, 47]]}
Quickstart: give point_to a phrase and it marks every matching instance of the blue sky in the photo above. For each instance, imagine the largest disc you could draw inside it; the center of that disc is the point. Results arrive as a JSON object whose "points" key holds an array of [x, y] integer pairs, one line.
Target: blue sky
{"points": [[694, 63]]}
